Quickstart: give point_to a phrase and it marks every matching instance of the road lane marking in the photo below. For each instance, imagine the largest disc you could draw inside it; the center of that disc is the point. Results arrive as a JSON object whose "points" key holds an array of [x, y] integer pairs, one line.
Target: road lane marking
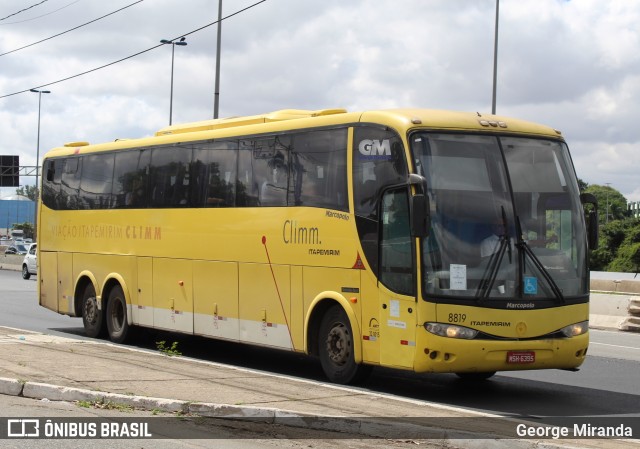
{"points": [[615, 346]]}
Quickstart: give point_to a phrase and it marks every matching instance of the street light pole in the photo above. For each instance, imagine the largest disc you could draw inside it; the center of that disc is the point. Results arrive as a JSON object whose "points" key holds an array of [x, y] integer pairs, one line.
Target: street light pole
{"points": [[606, 219], [495, 60], [173, 44], [37, 189], [216, 95]]}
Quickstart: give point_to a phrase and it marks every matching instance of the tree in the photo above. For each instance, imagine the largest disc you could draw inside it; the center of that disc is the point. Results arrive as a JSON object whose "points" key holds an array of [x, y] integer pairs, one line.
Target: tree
{"points": [[583, 186], [619, 248], [612, 205], [28, 191], [26, 227], [628, 259]]}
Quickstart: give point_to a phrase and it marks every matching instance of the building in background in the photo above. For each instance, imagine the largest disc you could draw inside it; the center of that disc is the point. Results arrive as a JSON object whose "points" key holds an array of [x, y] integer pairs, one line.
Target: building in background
{"points": [[634, 209], [14, 209]]}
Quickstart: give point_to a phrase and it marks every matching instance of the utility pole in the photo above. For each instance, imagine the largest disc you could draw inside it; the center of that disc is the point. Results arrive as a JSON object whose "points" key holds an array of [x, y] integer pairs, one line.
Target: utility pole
{"points": [[37, 191], [216, 95], [495, 60]]}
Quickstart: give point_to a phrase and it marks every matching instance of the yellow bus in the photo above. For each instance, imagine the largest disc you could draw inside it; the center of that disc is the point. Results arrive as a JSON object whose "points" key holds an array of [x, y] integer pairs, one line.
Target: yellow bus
{"points": [[424, 240]]}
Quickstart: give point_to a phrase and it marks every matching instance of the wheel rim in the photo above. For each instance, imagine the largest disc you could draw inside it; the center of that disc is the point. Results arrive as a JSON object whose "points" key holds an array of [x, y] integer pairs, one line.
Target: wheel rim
{"points": [[25, 271], [90, 310], [339, 344]]}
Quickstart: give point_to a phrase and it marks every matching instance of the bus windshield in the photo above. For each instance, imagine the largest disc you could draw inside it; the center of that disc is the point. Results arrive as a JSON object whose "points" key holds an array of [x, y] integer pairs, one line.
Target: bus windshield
{"points": [[506, 222]]}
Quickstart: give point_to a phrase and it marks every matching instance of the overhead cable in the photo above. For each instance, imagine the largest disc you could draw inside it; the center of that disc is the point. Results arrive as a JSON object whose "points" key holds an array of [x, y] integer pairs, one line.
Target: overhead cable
{"points": [[131, 56], [72, 29], [42, 15], [23, 10]]}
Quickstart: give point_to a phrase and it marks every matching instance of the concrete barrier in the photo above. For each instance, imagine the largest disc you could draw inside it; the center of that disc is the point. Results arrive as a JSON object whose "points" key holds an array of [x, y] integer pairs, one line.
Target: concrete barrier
{"points": [[615, 312], [10, 261], [631, 287], [615, 303]]}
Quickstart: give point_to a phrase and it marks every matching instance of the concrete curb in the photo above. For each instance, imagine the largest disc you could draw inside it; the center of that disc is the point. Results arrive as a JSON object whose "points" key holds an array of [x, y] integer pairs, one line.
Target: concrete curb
{"points": [[10, 387], [367, 428], [37, 390]]}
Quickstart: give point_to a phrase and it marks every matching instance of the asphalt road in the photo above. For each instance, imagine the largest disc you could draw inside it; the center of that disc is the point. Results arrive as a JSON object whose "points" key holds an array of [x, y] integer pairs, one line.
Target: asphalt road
{"points": [[607, 383]]}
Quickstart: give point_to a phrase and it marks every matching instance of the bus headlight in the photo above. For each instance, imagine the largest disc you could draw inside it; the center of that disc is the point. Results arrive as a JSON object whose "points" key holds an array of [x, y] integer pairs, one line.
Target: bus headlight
{"points": [[451, 331], [573, 330]]}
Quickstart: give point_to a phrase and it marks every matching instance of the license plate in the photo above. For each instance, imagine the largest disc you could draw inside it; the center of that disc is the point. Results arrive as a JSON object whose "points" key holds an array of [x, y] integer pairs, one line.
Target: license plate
{"points": [[521, 357]]}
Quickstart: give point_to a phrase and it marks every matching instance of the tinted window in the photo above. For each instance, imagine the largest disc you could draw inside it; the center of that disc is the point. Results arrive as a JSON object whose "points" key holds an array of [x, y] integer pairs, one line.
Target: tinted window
{"points": [[214, 174], [95, 184], [169, 178], [70, 184], [271, 170], [378, 162], [129, 179], [319, 169], [396, 249], [51, 182], [303, 169]]}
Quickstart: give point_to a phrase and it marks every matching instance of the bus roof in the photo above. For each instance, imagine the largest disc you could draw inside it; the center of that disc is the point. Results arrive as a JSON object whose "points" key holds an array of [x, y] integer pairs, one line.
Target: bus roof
{"points": [[402, 120], [232, 122]]}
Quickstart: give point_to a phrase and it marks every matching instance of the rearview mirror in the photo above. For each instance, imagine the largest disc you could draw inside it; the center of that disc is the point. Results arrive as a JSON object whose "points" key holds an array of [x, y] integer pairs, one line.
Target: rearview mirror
{"points": [[420, 215], [591, 218], [420, 220]]}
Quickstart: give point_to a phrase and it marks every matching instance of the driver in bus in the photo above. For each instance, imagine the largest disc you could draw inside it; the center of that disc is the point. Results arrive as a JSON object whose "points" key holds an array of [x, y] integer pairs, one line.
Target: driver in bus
{"points": [[491, 244]]}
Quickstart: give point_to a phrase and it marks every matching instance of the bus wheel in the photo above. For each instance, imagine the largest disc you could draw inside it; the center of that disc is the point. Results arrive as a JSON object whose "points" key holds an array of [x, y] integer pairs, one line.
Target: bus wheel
{"points": [[91, 314], [25, 272], [336, 349], [117, 324], [475, 376]]}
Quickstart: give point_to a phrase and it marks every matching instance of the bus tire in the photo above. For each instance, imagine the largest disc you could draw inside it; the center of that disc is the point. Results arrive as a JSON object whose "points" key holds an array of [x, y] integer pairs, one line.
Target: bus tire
{"points": [[92, 316], [475, 376], [117, 324], [336, 349]]}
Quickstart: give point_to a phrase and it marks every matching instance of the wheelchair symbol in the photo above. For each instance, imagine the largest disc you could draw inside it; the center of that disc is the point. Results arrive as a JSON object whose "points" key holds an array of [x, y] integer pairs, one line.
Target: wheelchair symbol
{"points": [[530, 286]]}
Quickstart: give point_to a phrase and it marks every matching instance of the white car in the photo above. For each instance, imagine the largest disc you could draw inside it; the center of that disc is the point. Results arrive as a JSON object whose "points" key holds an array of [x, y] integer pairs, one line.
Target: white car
{"points": [[30, 262]]}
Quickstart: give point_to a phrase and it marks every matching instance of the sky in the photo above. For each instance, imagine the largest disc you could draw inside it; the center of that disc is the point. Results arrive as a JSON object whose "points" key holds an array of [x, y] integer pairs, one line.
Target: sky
{"points": [[570, 64]]}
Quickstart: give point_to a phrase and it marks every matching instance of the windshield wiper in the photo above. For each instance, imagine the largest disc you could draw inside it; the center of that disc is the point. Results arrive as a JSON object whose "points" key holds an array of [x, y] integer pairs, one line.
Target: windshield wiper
{"points": [[543, 271], [526, 249], [491, 272]]}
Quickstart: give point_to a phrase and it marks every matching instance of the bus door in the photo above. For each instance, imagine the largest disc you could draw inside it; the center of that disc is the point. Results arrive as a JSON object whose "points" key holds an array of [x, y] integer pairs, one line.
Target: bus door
{"points": [[397, 281]]}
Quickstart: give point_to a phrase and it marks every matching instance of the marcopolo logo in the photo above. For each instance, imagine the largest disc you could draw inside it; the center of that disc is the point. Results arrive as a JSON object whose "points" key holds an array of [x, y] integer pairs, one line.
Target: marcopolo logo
{"points": [[372, 148]]}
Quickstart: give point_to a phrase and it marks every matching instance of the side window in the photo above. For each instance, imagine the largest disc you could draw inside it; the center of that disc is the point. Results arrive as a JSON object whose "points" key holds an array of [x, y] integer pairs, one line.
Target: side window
{"points": [[96, 181], [319, 170], [271, 170], [169, 178], [129, 179], [214, 174], [378, 161], [263, 171], [396, 249], [51, 181], [70, 184], [246, 189]]}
